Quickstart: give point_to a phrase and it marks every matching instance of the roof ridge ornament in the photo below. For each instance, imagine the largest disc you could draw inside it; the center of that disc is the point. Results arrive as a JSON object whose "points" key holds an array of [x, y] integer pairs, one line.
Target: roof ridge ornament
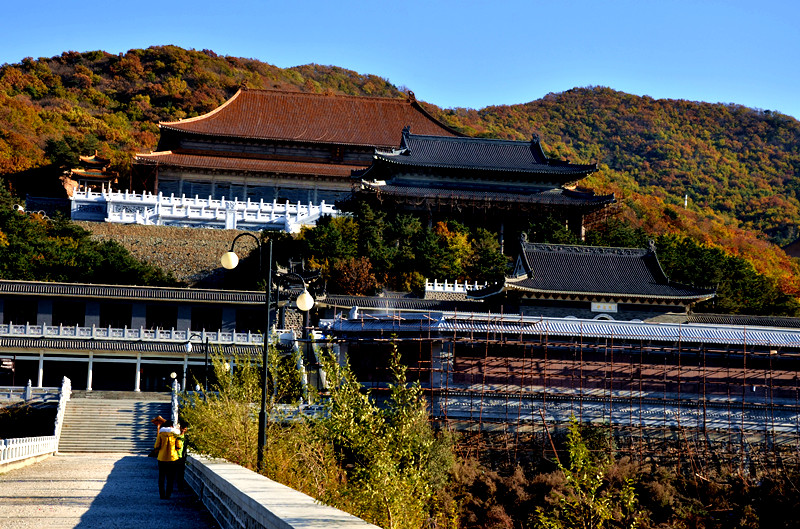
{"points": [[651, 244], [411, 97]]}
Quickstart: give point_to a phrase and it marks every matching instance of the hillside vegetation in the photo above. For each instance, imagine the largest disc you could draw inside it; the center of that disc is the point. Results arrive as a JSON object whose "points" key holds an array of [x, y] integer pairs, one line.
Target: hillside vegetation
{"points": [[737, 165]]}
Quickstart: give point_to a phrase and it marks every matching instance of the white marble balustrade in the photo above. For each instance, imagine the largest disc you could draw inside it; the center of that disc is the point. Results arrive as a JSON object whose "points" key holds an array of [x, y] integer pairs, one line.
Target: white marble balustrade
{"points": [[130, 334], [149, 209]]}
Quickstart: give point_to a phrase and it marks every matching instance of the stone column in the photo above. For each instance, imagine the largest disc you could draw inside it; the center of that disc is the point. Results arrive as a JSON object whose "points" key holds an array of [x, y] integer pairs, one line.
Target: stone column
{"points": [[137, 384], [41, 370], [89, 372]]}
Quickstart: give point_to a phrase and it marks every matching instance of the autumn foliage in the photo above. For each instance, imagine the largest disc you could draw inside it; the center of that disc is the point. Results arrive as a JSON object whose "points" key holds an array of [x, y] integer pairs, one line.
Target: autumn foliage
{"points": [[735, 167]]}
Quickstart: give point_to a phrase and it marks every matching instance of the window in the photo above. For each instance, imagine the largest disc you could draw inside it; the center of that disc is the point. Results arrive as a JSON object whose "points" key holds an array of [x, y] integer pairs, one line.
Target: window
{"points": [[161, 316], [208, 318], [69, 313], [115, 315], [20, 311]]}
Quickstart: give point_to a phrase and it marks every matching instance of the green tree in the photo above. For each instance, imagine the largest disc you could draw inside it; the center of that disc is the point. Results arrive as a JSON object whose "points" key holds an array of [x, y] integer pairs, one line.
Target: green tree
{"points": [[487, 263], [588, 501]]}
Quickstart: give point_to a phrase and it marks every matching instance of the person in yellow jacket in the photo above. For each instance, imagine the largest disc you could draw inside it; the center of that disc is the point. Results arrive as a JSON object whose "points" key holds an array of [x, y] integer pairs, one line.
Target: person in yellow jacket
{"points": [[169, 445]]}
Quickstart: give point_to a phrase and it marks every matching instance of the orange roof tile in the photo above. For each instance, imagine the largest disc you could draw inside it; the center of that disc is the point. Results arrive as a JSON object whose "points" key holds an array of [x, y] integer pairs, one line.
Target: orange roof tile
{"points": [[302, 116], [255, 165]]}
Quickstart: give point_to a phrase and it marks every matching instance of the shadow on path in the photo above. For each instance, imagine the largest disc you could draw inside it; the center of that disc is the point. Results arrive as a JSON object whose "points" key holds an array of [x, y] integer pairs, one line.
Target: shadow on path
{"points": [[95, 491]]}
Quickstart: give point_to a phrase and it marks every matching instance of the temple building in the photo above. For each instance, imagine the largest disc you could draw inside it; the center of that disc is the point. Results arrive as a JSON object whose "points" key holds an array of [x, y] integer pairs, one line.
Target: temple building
{"points": [[491, 183], [591, 282], [93, 174], [279, 146]]}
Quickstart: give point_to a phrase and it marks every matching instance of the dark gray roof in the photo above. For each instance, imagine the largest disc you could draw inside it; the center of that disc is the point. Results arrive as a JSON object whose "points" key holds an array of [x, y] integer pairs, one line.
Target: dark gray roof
{"points": [[400, 303], [480, 154], [593, 270], [556, 197], [80, 290], [57, 344]]}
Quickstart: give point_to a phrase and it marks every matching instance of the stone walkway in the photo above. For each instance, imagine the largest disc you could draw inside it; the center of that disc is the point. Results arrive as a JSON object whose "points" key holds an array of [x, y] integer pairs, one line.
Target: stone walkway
{"points": [[95, 491]]}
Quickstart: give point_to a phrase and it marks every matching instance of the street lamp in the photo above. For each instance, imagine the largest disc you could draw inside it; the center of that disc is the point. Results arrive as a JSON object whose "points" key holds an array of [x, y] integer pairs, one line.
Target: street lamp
{"points": [[205, 351], [305, 302]]}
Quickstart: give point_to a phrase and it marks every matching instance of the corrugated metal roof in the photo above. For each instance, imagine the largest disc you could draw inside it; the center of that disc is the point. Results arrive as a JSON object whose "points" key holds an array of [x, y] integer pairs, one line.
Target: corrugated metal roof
{"points": [[448, 323]]}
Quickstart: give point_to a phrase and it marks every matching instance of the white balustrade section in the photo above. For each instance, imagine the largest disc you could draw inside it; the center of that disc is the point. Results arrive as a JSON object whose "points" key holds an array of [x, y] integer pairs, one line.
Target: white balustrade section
{"points": [[149, 209], [125, 334], [25, 447], [452, 286], [63, 398]]}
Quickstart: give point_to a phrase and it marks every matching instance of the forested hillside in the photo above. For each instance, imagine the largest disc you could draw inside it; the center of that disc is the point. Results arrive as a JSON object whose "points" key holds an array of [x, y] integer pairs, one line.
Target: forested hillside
{"points": [[737, 165]]}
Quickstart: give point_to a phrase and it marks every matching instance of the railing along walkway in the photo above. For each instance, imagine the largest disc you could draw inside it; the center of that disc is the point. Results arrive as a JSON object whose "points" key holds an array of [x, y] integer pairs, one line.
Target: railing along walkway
{"points": [[95, 491], [128, 334]]}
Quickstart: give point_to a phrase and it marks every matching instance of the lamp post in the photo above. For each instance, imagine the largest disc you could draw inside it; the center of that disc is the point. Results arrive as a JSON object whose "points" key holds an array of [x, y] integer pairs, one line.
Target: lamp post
{"points": [[305, 301], [205, 351]]}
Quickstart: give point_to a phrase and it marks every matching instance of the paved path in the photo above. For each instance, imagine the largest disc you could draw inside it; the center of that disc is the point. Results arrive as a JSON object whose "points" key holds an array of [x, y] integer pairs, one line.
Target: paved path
{"points": [[95, 491]]}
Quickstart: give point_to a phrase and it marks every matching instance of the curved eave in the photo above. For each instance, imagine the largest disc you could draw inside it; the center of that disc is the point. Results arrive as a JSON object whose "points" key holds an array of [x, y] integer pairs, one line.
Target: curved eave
{"points": [[488, 197], [615, 295], [576, 171]]}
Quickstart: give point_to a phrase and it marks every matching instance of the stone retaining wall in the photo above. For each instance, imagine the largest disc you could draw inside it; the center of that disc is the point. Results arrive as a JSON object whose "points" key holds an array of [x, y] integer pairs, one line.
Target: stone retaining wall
{"points": [[239, 498], [191, 254]]}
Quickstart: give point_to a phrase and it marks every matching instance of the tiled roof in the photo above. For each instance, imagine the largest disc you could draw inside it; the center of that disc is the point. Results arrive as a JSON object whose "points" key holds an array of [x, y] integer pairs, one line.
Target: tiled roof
{"points": [[223, 163], [480, 154], [559, 197], [592, 270], [113, 346], [80, 290], [308, 117], [391, 304]]}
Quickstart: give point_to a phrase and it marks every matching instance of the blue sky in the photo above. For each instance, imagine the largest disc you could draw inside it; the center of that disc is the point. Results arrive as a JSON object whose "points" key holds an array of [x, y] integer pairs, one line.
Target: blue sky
{"points": [[461, 53]]}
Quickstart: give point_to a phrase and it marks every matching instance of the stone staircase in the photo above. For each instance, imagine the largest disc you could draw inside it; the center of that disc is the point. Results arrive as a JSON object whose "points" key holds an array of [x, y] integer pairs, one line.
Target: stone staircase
{"points": [[112, 421]]}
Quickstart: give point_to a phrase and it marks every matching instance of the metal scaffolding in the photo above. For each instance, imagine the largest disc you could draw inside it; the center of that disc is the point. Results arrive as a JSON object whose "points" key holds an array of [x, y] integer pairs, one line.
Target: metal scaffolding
{"points": [[698, 393]]}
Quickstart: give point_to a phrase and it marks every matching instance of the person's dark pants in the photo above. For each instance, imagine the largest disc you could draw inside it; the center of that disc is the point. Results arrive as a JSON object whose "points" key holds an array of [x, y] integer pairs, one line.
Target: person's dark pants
{"points": [[180, 473], [166, 473]]}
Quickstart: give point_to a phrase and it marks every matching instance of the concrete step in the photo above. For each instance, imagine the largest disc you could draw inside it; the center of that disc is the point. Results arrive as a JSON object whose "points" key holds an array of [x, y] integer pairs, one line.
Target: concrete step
{"points": [[111, 423]]}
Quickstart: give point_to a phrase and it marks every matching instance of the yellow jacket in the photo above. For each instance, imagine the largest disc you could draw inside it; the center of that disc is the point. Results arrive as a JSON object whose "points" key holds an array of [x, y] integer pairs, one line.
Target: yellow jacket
{"points": [[168, 444]]}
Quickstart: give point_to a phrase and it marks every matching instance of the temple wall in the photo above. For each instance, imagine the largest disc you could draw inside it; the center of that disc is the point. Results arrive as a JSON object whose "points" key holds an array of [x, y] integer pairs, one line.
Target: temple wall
{"points": [[625, 312]]}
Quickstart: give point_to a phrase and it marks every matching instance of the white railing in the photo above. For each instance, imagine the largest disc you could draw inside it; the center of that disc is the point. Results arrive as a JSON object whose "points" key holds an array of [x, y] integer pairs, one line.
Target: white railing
{"points": [[149, 209], [24, 447], [452, 286], [20, 448], [125, 334], [63, 398]]}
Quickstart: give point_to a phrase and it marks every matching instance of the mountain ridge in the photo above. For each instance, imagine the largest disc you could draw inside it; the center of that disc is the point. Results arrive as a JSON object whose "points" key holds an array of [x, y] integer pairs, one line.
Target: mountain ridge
{"points": [[736, 167]]}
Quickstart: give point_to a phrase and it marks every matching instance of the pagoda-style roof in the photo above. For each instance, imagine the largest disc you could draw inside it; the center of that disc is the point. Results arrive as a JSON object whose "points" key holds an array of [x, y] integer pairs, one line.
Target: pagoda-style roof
{"points": [[479, 154], [92, 174], [488, 197], [314, 118], [94, 160], [241, 164], [620, 274]]}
